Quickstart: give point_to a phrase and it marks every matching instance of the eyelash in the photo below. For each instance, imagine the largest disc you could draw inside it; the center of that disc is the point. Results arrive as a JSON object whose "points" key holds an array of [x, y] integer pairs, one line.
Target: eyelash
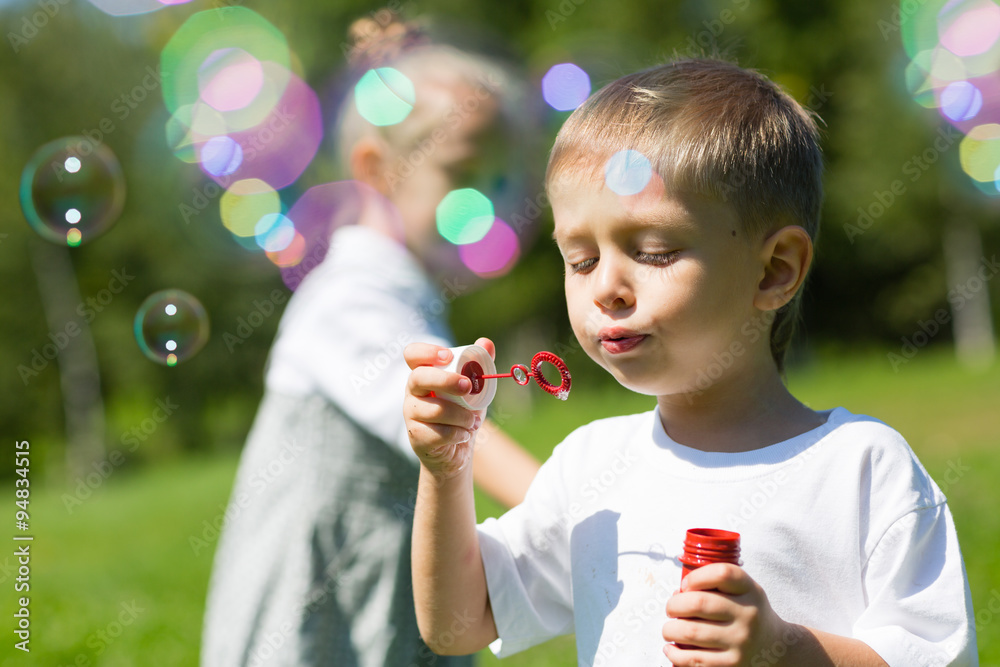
{"points": [[654, 258]]}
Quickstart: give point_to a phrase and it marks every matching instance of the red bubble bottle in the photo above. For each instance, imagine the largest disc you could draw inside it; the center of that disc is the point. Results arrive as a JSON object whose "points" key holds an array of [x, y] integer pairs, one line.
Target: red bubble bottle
{"points": [[703, 546], [709, 545]]}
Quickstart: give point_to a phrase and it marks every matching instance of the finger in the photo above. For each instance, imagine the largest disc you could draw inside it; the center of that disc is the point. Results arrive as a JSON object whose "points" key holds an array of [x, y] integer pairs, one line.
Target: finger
{"points": [[694, 634], [487, 345], [440, 411], [425, 379], [704, 605], [425, 354], [428, 439], [688, 655], [723, 577]]}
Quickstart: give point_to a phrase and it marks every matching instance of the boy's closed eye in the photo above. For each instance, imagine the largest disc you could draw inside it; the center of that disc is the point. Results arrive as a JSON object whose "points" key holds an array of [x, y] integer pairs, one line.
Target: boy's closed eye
{"points": [[665, 258]]}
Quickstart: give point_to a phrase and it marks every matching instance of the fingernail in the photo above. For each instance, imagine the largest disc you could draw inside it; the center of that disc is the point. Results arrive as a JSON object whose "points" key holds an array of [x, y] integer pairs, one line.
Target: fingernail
{"points": [[465, 384], [477, 423], [444, 354]]}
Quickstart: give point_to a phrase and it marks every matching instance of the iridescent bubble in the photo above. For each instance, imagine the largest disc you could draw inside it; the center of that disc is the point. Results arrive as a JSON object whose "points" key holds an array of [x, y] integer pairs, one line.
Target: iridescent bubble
{"points": [[961, 101], [565, 87], [274, 232], [319, 213], [132, 7], [282, 145], [464, 216], [171, 326], [182, 136], [384, 96], [72, 190], [495, 254], [979, 152], [291, 255], [230, 79], [245, 202], [969, 27], [221, 156], [918, 24], [627, 172], [213, 53]]}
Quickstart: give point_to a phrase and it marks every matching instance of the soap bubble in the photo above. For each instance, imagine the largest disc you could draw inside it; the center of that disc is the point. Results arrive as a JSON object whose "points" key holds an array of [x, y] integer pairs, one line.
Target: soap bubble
{"points": [[72, 190], [495, 254], [171, 326], [464, 216], [627, 172], [384, 96], [565, 87]]}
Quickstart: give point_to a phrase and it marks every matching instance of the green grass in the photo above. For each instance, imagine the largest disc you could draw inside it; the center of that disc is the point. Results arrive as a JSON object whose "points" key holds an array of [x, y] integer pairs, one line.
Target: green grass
{"points": [[129, 543]]}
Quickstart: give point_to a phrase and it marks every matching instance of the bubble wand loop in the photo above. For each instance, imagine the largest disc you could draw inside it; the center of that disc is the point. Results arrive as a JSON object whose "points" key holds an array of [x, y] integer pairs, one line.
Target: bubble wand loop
{"points": [[520, 374], [475, 363]]}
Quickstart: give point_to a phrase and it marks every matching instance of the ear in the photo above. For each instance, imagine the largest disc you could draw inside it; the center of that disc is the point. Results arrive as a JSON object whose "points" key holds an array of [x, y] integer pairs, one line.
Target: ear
{"points": [[786, 255], [368, 163]]}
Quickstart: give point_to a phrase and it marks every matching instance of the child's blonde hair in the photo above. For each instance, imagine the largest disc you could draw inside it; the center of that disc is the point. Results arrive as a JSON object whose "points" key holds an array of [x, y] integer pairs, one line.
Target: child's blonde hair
{"points": [[712, 128], [439, 72]]}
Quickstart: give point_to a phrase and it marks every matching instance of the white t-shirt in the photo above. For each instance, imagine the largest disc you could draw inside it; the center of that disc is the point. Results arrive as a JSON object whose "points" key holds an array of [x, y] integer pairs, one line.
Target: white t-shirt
{"points": [[841, 526], [344, 330]]}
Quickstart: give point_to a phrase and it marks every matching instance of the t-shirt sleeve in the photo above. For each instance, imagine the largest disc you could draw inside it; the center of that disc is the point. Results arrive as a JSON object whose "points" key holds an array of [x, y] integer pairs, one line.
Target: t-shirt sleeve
{"points": [[919, 604], [526, 558]]}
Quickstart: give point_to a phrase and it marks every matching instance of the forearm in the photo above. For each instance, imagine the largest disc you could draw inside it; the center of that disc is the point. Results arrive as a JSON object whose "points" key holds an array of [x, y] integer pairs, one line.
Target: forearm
{"points": [[501, 467], [449, 583], [800, 645]]}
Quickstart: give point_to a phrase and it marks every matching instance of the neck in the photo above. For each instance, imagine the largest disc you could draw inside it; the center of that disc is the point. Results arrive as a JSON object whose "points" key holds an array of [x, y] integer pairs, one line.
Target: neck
{"points": [[746, 409]]}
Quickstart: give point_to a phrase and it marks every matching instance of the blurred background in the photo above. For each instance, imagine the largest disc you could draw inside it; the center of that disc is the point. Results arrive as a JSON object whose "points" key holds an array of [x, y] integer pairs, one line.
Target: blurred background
{"points": [[134, 439]]}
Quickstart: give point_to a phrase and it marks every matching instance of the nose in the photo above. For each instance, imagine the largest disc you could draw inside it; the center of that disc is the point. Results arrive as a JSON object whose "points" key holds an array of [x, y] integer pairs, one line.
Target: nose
{"points": [[612, 286]]}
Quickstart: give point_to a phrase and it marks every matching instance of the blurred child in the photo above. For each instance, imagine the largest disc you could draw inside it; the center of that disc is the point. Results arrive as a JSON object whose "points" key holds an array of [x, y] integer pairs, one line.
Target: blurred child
{"points": [[313, 565], [687, 291]]}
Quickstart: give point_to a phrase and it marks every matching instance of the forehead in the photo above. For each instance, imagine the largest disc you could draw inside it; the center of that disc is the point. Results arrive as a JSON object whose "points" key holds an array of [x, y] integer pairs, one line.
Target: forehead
{"points": [[583, 204]]}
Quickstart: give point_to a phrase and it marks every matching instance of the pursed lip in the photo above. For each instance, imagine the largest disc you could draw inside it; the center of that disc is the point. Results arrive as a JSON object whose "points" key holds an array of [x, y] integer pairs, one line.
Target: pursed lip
{"points": [[617, 340]]}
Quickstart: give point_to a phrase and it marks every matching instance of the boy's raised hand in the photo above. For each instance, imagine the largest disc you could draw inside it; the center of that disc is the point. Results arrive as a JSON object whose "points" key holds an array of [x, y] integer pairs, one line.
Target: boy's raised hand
{"points": [[724, 616], [441, 432]]}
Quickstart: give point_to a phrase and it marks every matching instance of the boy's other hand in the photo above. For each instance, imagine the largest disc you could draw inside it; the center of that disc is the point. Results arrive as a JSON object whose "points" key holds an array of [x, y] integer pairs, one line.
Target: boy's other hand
{"points": [[441, 432], [723, 615]]}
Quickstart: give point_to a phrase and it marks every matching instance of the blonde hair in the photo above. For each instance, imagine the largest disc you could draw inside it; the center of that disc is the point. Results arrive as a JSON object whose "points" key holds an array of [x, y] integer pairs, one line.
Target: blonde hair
{"points": [[711, 128], [434, 68]]}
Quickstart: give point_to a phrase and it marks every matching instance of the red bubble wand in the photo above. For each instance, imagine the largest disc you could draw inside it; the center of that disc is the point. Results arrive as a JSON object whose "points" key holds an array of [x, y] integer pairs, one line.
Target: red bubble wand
{"points": [[522, 374]]}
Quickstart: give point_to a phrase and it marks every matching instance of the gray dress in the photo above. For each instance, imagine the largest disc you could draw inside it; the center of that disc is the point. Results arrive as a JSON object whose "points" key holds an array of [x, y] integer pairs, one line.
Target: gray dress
{"points": [[313, 566]]}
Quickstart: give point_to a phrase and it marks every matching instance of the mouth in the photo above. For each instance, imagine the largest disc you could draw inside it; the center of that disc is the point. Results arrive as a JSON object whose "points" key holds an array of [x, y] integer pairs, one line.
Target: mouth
{"points": [[617, 341]]}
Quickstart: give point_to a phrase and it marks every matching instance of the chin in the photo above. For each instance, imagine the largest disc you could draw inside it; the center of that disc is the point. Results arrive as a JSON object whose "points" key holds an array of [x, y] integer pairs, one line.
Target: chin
{"points": [[644, 386]]}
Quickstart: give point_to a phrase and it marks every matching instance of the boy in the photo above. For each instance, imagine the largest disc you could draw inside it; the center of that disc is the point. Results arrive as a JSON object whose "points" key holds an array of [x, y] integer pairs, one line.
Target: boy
{"points": [[687, 290]]}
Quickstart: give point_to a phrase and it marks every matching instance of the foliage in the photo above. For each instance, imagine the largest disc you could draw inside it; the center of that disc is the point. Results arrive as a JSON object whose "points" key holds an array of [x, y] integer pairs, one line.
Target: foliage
{"points": [[843, 59]]}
